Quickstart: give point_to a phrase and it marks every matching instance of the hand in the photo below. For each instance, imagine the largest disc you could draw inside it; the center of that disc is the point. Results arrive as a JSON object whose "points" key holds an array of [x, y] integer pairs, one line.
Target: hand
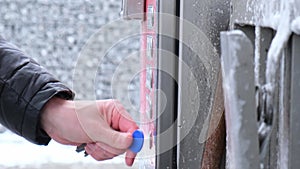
{"points": [[104, 125]]}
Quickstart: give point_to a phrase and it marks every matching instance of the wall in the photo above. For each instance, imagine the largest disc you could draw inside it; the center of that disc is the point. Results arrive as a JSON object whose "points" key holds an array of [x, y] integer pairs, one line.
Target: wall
{"points": [[55, 32]]}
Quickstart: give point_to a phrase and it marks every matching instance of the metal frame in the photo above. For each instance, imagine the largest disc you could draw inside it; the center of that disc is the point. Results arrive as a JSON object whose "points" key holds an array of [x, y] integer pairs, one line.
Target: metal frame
{"points": [[167, 71], [201, 140], [239, 92], [205, 153], [268, 150], [295, 105], [133, 9], [281, 148]]}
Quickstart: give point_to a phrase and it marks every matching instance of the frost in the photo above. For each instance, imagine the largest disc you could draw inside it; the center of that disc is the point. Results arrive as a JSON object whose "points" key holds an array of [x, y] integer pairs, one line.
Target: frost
{"points": [[234, 105], [283, 127], [257, 54], [268, 87], [282, 36], [279, 15], [295, 27]]}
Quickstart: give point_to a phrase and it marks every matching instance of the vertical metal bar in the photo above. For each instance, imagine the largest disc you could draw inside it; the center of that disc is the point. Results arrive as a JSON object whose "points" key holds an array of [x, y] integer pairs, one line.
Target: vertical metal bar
{"points": [[239, 91], [265, 40], [295, 104], [284, 110], [148, 81], [261, 38], [167, 77], [262, 45]]}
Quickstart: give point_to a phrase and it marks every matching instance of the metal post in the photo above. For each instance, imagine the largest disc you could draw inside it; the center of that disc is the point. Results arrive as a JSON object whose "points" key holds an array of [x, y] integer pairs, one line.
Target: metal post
{"points": [[167, 77], [295, 105], [239, 92]]}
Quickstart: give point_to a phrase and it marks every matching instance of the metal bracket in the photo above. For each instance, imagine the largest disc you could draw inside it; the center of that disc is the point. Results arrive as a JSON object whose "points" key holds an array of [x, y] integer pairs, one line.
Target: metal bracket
{"points": [[133, 9], [239, 92]]}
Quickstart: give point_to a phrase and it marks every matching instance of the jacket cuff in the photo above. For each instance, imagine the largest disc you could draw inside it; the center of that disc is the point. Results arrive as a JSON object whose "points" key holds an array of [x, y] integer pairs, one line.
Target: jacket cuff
{"points": [[31, 127]]}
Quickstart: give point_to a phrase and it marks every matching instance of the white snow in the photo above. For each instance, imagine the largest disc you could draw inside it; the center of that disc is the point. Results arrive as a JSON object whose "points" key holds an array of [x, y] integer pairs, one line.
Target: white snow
{"points": [[257, 55], [279, 41], [296, 25], [16, 151], [281, 15]]}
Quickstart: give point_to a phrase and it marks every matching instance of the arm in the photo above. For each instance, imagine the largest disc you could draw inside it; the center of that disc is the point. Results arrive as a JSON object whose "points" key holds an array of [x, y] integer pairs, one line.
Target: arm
{"points": [[35, 106], [25, 87]]}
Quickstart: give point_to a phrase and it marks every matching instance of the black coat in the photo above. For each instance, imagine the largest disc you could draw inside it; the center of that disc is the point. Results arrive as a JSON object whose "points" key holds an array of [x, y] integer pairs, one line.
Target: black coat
{"points": [[25, 87]]}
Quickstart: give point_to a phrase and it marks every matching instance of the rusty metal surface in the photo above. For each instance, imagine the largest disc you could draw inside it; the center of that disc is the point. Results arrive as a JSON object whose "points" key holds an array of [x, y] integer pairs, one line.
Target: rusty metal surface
{"points": [[214, 149], [201, 24]]}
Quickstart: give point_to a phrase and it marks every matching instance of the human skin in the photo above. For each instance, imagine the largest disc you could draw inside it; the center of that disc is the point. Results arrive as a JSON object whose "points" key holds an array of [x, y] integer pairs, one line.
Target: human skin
{"points": [[104, 125]]}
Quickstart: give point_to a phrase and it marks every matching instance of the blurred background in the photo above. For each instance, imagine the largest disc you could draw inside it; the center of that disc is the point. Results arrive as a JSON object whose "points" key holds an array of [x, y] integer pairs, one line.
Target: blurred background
{"points": [[55, 34]]}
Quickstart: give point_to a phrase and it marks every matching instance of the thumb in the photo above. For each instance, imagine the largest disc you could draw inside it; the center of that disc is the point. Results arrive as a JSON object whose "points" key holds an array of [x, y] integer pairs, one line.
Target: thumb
{"points": [[117, 139]]}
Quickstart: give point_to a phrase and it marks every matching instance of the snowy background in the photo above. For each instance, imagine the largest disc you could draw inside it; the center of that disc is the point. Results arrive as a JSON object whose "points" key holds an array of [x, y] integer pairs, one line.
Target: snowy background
{"points": [[54, 32], [17, 153]]}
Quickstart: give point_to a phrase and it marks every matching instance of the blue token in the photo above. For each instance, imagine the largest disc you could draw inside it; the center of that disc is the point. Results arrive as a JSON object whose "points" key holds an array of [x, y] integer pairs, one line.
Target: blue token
{"points": [[138, 141]]}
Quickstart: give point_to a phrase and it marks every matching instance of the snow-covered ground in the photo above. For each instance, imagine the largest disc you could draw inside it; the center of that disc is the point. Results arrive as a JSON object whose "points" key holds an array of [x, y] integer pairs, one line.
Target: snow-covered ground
{"points": [[17, 152]]}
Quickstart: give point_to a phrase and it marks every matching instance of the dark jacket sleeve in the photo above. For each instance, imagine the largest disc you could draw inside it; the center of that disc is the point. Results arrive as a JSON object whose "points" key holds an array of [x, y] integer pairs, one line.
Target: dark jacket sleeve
{"points": [[25, 87]]}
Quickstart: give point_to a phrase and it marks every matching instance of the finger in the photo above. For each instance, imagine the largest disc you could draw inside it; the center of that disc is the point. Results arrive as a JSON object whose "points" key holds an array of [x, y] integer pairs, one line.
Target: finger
{"points": [[127, 125], [98, 153], [98, 128], [130, 157], [110, 149], [121, 119], [116, 139]]}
